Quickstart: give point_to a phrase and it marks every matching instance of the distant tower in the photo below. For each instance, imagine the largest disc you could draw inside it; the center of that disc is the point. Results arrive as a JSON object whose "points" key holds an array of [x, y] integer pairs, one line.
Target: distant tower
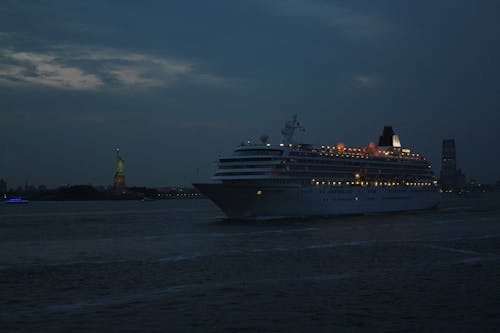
{"points": [[3, 186], [449, 155], [450, 177], [120, 171]]}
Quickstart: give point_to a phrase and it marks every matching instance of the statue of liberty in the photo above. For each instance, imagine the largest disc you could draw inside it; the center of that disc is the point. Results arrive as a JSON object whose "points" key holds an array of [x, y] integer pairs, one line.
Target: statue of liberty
{"points": [[120, 164], [120, 170]]}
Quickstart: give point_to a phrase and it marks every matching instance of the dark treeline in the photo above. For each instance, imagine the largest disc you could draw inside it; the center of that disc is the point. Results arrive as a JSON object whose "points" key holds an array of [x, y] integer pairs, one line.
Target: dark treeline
{"points": [[88, 192]]}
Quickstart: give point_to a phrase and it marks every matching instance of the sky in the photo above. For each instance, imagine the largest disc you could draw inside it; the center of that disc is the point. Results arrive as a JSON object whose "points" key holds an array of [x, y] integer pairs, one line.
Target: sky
{"points": [[176, 84]]}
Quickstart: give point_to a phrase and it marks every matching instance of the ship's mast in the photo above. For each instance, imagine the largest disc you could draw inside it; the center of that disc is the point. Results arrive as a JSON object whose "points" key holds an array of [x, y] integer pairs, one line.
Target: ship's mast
{"points": [[288, 131]]}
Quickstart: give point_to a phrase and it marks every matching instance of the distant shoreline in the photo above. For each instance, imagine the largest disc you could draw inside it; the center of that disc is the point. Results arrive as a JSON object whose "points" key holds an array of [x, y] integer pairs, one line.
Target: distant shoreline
{"points": [[90, 193]]}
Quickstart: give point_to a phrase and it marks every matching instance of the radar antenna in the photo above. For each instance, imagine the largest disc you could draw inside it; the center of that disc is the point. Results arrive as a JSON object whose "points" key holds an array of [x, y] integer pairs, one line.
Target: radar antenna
{"points": [[288, 131]]}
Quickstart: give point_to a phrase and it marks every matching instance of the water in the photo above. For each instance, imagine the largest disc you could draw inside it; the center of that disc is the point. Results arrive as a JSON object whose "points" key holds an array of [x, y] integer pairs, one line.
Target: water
{"points": [[178, 266]]}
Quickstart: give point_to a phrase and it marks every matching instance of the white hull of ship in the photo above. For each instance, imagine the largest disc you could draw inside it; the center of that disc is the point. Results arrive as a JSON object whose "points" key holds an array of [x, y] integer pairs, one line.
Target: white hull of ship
{"points": [[244, 201]]}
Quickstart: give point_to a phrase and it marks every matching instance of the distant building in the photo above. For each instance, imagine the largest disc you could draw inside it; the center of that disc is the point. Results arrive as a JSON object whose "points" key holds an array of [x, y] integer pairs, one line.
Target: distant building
{"points": [[119, 180], [3, 186], [451, 178]]}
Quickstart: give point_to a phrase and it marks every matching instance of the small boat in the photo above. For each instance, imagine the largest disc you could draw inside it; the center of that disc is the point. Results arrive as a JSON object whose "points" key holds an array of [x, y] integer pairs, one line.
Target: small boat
{"points": [[16, 201]]}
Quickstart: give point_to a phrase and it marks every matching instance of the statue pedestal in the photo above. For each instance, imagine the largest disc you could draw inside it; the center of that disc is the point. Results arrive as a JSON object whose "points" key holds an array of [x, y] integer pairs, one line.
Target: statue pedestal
{"points": [[119, 181]]}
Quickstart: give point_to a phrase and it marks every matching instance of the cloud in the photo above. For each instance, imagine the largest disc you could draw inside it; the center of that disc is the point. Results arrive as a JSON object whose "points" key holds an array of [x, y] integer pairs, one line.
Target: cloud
{"points": [[139, 70], [350, 23], [196, 123], [18, 114], [84, 118], [92, 68], [22, 116], [45, 70], [5, 35], [365, 81], [208, 79]]}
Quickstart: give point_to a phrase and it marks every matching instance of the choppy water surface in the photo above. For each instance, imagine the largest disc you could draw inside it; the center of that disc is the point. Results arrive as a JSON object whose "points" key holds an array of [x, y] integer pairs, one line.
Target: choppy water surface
{"points": [[177, 266]]}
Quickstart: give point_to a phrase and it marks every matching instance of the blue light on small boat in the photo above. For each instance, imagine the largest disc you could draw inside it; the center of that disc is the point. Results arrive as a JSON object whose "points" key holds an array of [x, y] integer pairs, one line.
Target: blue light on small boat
{"points": [[16, 200]]}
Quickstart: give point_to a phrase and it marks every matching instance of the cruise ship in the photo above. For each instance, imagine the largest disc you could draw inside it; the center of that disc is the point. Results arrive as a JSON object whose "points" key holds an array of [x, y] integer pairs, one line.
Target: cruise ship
{"points": [[293, 179]]}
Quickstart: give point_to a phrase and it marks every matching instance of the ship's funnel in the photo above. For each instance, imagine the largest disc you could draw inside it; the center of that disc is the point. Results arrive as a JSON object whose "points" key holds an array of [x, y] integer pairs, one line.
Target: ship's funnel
{"points": [[386, 137], [389, 138], [395, 141]]}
